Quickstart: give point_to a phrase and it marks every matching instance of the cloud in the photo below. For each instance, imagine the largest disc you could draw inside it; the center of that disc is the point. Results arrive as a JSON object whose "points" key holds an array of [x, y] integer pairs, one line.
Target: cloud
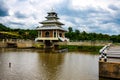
{"points": [[113, 7], [94, 16], [100, 16], [3, 9], [20, 15]]}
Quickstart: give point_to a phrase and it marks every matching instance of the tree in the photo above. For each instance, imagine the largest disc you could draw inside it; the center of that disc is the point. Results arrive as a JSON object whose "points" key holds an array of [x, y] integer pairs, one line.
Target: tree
{"points": [[77, 32], [70, 29], [4, 28], [77, 35]]}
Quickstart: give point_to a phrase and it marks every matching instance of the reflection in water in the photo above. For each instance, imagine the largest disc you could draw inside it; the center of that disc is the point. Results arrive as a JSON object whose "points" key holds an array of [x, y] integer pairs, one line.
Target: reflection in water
{"points": [[51, 63], [27, 64]]}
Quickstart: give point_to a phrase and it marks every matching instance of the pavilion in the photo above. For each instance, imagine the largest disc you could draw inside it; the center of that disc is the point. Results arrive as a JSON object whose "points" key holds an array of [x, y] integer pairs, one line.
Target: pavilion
{"points": [[51, 30]]}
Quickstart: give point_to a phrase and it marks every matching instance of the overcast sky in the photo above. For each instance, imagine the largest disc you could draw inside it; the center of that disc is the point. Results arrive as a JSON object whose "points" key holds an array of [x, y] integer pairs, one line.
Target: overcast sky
{"points": [[101, 16]]}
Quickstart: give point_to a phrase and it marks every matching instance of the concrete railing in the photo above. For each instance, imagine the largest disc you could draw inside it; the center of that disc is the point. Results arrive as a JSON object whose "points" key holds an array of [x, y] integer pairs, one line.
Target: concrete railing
{"points": [[15, 40], [103, 53], [109, 68], [103, 50]]}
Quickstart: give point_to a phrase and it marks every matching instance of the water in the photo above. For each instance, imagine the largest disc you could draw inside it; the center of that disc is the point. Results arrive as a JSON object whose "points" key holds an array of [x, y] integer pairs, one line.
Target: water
{"points": [[29, 64]]}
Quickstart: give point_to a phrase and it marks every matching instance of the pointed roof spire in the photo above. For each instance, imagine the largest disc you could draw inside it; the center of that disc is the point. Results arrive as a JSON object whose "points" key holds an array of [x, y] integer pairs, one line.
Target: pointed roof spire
{"points": [[52, 10]]}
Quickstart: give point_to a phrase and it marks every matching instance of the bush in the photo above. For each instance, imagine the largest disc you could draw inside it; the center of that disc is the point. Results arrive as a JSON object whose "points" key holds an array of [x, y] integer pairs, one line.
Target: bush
{"points": [[81, 48]]}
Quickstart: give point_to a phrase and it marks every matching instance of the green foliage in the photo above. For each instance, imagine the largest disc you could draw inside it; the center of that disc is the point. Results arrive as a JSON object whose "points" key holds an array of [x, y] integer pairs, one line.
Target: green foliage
{"points": [[6, 32], [4, 28], [72, 35], [37, 45], [115, 38], [9, 35], [81, 48], [81, 36], [70, 29]]}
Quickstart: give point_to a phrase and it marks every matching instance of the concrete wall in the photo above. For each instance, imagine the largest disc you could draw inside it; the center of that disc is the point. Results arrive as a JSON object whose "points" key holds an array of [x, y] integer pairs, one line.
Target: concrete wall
{"points": [[24, 45], [85, 43], [109, 69], [28, 43], [2, 45]]}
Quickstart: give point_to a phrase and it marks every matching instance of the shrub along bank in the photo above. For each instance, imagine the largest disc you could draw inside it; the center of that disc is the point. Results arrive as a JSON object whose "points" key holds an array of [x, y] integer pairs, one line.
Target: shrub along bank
{"points": [[81, 48]]}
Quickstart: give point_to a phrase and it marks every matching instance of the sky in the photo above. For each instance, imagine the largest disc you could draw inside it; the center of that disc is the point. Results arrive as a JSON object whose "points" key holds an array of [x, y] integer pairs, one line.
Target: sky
{"points": [[99, 16]]}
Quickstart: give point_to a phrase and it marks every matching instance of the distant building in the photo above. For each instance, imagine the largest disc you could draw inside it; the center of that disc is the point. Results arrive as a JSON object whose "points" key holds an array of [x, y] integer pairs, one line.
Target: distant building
{"points": [[51, 30]]}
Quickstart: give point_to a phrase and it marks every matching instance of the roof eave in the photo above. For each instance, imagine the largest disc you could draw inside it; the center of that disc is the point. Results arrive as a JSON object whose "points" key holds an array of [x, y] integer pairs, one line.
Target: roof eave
{"points": [[51, 29], [51, 22]]}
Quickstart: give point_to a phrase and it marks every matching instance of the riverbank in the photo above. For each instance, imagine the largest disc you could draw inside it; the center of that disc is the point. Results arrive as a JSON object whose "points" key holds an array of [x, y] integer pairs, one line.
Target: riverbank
{"points": [[70, 48], [94, 49], [85, 46]]}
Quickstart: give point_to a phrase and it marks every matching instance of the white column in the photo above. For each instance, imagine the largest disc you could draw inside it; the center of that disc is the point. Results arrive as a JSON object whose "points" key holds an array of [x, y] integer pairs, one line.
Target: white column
{"points": [[41, 33], [56, 33], [38, 33], [3, 40], [63, 34]]}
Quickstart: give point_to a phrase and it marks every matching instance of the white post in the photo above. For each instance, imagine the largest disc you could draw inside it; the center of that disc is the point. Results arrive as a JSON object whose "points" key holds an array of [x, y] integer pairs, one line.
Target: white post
{"points": [[38, 33], [41, 33], [56, 33], [63, 35], [3, 40]]}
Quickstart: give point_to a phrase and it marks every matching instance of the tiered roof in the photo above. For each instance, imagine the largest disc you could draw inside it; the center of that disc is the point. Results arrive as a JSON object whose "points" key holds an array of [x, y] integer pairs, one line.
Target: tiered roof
{"points": [[51, 22]]}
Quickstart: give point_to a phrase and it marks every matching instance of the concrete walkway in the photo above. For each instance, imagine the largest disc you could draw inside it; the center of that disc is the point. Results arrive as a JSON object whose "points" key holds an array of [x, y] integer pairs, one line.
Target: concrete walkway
{"points": [[113, 54], [110, 66]]}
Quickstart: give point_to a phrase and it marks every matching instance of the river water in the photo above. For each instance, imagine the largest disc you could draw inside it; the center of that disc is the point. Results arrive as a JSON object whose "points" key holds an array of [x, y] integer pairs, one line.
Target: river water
{"points": [[30, 64]]}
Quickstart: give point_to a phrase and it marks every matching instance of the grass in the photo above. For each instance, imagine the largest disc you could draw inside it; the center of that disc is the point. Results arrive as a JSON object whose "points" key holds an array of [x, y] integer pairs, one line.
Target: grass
{"points": [[10, 33], [94, 49]]}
